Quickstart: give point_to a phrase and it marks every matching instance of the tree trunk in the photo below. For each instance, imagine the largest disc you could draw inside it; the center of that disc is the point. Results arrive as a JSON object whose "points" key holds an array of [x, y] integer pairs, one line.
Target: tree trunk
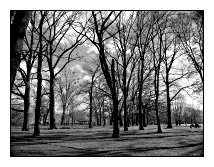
{"points": [[98, 122], [100, 119], [17, 32], [137, 119], [45, 117], [125, 111], [124, 93], [157, 117], [132, 119], [110, 79], [104, 120], [147, 117], [128, 118], [63, 115], [52, 104], [38, 98], [111, 118], [169, 122], [90, 116], [156, 87], [120, 118], [72, 117], [144, 118], [39, 82], [140, 95], [116, 130], [26, 106]]}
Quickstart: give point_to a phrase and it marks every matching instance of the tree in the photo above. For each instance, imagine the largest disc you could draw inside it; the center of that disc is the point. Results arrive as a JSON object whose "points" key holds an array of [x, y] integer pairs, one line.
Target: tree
{"points": [[125, 43], [92, 69], [67, 88], [144, 29], [19, 22], [99, 23], [157, 53], [39, 77], [60, 47], [188, 27], [178, 109], [29, 55]]}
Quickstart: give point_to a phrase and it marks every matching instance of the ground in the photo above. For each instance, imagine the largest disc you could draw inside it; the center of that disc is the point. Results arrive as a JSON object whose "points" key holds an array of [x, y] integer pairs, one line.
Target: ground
{"points": [[82, 141]]}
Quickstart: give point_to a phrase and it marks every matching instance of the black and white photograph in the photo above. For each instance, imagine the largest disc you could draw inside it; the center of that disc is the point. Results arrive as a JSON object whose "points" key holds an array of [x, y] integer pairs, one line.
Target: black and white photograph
{"points": [[106, 83]]}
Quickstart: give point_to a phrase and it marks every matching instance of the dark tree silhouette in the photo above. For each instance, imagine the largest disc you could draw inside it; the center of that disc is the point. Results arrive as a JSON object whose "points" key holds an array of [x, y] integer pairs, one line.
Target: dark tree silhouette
{"points": [[19, 23]]}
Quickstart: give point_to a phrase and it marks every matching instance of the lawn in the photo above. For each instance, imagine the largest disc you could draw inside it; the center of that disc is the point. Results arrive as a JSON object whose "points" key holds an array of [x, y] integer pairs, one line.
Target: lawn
{"points": [[82, 141]]}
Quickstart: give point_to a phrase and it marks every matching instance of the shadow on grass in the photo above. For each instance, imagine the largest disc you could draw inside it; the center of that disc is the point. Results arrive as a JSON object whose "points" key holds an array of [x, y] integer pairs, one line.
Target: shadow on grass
{"points": [[133, 151], [90, 136], [51, 138]]}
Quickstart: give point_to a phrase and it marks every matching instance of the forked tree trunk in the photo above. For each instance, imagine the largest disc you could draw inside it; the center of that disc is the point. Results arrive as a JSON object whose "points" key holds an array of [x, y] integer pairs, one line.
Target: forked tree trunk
{"points": [[110, 78]]}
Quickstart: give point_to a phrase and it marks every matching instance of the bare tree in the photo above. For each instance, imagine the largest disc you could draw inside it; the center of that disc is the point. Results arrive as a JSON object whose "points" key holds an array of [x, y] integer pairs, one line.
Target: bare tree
{"points": [[97, 34], [125, 43], [67, 88], [144, 29], [157, 53], [59, 52], [92, 70]]}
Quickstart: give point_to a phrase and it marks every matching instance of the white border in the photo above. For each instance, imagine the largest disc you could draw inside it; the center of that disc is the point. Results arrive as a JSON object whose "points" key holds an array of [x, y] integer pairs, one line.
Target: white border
{"points": [[106, 5]]}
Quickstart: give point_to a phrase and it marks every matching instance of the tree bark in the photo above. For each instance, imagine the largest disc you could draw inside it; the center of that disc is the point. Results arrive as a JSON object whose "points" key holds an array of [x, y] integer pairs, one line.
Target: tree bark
{"points": [[90, 116], [26, 106], [63, 115], [116, 130], [144, 118], [124, 93], [169, 122], [104, 120], [45, 117], [140, 95], [17, 32], [52, 102], [156, 87], [100, 119], [157, 116], [125, 110], [39, 82], [120, 118]]}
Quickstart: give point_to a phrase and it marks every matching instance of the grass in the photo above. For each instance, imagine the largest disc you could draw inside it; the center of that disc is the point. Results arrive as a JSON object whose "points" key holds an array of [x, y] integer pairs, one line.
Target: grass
{"points": [[82, 141]]}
